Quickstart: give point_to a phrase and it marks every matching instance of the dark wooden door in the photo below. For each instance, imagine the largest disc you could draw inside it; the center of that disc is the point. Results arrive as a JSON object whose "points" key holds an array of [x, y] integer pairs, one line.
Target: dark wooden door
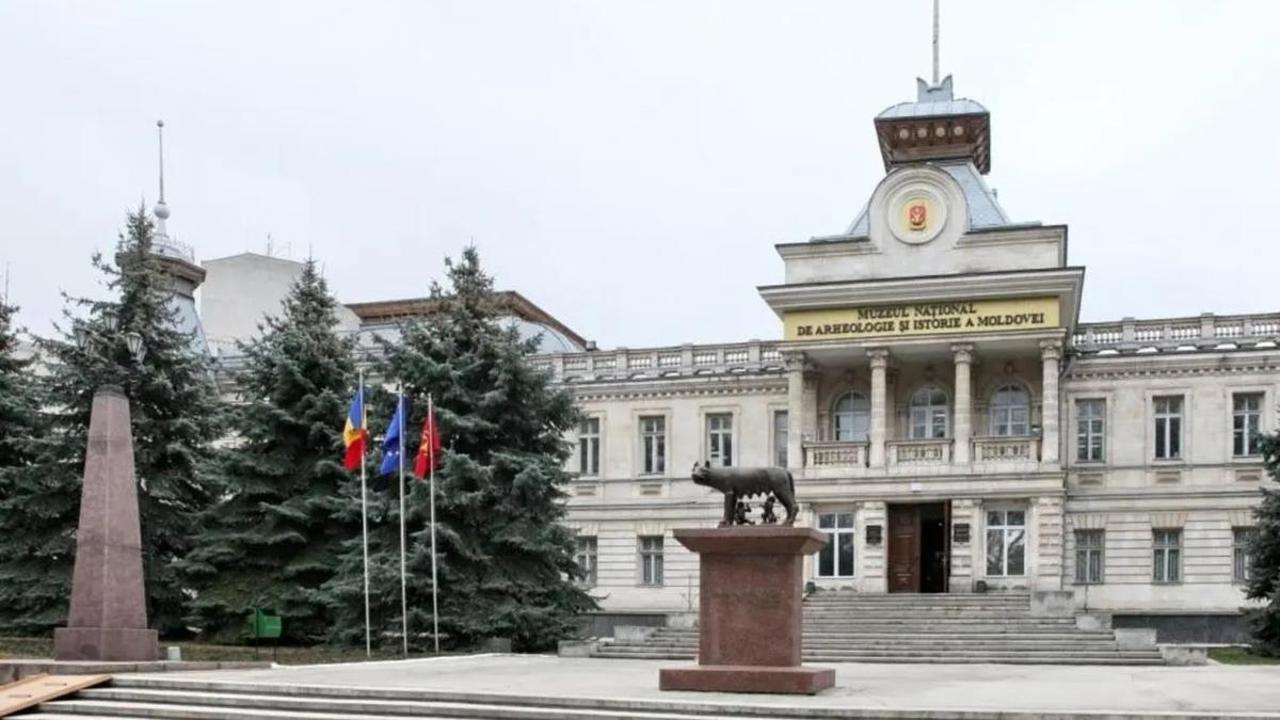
{"points": [[904, 548]]}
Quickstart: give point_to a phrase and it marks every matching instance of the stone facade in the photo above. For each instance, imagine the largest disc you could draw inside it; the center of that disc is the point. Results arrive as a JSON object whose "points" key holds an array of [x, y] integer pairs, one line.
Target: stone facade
{"points": [[948, 421]]}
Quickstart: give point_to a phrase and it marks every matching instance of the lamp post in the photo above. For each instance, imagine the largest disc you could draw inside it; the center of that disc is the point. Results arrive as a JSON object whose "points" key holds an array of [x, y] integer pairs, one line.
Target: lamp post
{"points": [[108, 615]]}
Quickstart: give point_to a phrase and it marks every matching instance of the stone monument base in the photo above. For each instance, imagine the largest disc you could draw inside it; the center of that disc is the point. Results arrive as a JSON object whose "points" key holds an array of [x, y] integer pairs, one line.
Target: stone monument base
{"points": [[114, 644], [748, 679], [749, 612]]}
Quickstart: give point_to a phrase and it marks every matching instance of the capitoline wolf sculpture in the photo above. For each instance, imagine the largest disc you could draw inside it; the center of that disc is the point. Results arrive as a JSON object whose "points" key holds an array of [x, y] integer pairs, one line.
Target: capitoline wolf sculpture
{"points": [[740, 483]]}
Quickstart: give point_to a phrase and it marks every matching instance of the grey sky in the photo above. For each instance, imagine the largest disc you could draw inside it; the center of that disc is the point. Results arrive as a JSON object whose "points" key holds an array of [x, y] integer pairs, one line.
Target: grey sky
{"points": [[629, 165]]}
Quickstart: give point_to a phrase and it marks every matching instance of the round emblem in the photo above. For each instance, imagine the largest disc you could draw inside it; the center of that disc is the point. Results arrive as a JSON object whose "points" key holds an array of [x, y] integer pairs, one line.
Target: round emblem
{"points": [[917, 214]]}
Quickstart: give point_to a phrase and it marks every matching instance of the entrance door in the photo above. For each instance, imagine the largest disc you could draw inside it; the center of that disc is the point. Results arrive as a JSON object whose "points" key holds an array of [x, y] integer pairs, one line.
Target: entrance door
{"points": [[904, 548], [919, 547]]}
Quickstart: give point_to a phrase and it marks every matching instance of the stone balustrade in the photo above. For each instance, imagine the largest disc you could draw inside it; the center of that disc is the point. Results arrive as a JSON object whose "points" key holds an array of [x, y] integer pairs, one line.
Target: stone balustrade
{"points": [[835, 454], [1021, 449], [1205, 332], [919, 452]]}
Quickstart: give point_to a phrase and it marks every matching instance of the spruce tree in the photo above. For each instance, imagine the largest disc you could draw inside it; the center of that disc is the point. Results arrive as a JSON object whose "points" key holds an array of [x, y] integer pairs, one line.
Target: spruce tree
{"points": [[271, 541], [30, 596], [1264, 559], [175, 416], [506, 565]]}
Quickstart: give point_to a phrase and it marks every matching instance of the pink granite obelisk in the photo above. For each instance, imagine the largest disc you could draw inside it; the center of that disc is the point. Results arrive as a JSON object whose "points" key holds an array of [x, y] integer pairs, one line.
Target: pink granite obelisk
{"points": [[108, 618]]}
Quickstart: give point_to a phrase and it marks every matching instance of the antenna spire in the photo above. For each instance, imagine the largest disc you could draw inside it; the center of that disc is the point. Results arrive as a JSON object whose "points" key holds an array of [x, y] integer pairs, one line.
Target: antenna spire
{"points": [[161, 209], [935, 49]]}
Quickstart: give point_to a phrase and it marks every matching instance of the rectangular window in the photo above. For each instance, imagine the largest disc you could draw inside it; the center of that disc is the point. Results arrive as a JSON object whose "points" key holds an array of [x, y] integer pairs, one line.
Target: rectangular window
{"points": [[835, 559], [1090, 545], [1168, 427], [1240, 539], [720, 439], [589, 447], [781, 434], [1166, 556], [1246, 424], [586, 558], [650, 559], [1090, 427], [653, 444], [1006, 543]]}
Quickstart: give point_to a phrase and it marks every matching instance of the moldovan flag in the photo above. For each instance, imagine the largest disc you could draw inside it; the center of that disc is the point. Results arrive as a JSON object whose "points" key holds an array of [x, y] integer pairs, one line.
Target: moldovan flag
{"points": [[428, 458], [356, 434]]}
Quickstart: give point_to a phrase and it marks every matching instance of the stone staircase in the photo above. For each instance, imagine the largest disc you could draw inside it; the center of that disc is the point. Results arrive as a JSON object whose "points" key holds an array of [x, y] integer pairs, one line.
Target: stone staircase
{"points": [[843, 626]]}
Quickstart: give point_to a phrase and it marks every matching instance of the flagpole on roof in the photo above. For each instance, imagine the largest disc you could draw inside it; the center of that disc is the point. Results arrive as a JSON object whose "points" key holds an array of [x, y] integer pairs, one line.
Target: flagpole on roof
{"points": [[364, 525], [404, 601], [435, 603]]}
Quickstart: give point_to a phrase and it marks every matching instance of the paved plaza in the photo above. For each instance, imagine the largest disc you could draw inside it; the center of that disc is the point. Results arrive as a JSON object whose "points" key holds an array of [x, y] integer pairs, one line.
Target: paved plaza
{"points": [[1208, 689]]}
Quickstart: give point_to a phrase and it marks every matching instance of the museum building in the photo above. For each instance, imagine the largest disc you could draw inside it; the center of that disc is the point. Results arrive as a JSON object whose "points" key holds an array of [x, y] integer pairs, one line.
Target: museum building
{"points": [[949, 423]]}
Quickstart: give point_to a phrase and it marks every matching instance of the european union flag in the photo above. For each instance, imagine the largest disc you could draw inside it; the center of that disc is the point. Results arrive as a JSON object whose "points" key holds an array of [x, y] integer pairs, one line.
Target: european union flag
{"points": [[391, 441]]}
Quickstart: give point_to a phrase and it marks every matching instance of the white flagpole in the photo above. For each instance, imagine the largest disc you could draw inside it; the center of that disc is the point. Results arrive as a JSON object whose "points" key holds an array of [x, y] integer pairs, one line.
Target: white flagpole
{"points": [[364, 523], [404, 602], [435, 603]]}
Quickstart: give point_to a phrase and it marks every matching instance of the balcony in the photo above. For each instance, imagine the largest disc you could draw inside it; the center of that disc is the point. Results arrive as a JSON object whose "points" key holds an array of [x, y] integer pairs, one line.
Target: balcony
{"points": [[919, 452], [927, 457], [1018, 449], [835, 454]]}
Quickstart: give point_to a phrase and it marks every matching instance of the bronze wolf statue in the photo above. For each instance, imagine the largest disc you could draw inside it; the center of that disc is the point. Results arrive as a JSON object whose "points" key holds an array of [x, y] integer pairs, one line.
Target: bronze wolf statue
{"points": [[737, 483]]}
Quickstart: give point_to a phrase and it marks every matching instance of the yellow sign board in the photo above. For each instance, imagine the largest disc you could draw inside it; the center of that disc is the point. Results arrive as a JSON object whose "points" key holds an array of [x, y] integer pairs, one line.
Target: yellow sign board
{"points": [[927, 318]]}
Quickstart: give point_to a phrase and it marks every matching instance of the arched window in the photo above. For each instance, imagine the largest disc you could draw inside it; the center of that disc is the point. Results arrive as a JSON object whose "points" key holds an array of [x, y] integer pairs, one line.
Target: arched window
{"points": [[929, 413], [851, 420], [1010, 411]]}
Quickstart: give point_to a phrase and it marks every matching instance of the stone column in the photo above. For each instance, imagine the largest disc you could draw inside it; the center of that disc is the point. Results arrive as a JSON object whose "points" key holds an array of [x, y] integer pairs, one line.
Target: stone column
{"points": [[802, 401], [879, 363], [962, 425], [1050, 353], [108, 616]]}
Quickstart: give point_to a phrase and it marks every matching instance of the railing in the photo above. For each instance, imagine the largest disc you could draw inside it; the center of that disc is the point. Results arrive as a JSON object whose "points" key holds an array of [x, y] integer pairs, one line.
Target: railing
{"points": [[835, 454], [919, 452], [686, 360], [1006, 449], [1206, 332]]}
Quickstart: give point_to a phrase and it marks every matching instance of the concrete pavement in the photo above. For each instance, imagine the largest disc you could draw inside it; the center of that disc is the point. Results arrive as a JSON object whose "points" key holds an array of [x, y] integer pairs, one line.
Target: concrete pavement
{"points": [[1035, 689]]}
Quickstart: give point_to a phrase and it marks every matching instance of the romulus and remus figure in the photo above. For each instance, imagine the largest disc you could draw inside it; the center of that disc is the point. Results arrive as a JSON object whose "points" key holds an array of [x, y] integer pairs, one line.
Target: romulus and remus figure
{"points": [[740, 483]]}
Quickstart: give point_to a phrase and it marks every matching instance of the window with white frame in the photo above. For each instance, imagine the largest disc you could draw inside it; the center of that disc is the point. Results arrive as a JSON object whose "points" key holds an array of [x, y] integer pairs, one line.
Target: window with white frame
{"points": [[1090, 548], [720, 439], [1168, 418], [1006, 543], [653, 444], [851, 418], [1240, 539], [781, 435], [1246, 424], [650, 550], [1010, 411], [1090, 430], [835, 559], [585, 556], [929, 413], [589, 446], [1166, 556]]}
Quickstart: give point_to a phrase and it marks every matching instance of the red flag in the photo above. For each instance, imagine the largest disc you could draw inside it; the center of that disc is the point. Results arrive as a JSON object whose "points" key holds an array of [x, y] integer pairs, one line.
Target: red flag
{"points": [[429, 448]]}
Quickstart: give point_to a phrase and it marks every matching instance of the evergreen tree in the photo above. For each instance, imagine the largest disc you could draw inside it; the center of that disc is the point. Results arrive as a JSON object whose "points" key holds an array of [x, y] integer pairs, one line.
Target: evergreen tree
{"points": [[29, 595], [270, 541], [1264, 559], [174, 412], [506, 565]]}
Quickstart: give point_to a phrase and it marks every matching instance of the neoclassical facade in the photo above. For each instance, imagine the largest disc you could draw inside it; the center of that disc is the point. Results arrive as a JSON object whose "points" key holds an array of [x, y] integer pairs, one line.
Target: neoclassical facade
{"points": [[949, 422]]}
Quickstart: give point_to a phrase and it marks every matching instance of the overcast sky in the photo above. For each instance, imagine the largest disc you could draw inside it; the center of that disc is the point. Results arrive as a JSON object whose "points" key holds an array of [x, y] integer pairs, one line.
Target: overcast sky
{"points": [[629, 166]]}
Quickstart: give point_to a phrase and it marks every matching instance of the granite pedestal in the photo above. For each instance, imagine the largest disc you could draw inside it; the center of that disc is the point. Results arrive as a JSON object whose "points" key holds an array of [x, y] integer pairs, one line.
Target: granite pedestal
{"points": [[108, 616], [750, 610]]}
